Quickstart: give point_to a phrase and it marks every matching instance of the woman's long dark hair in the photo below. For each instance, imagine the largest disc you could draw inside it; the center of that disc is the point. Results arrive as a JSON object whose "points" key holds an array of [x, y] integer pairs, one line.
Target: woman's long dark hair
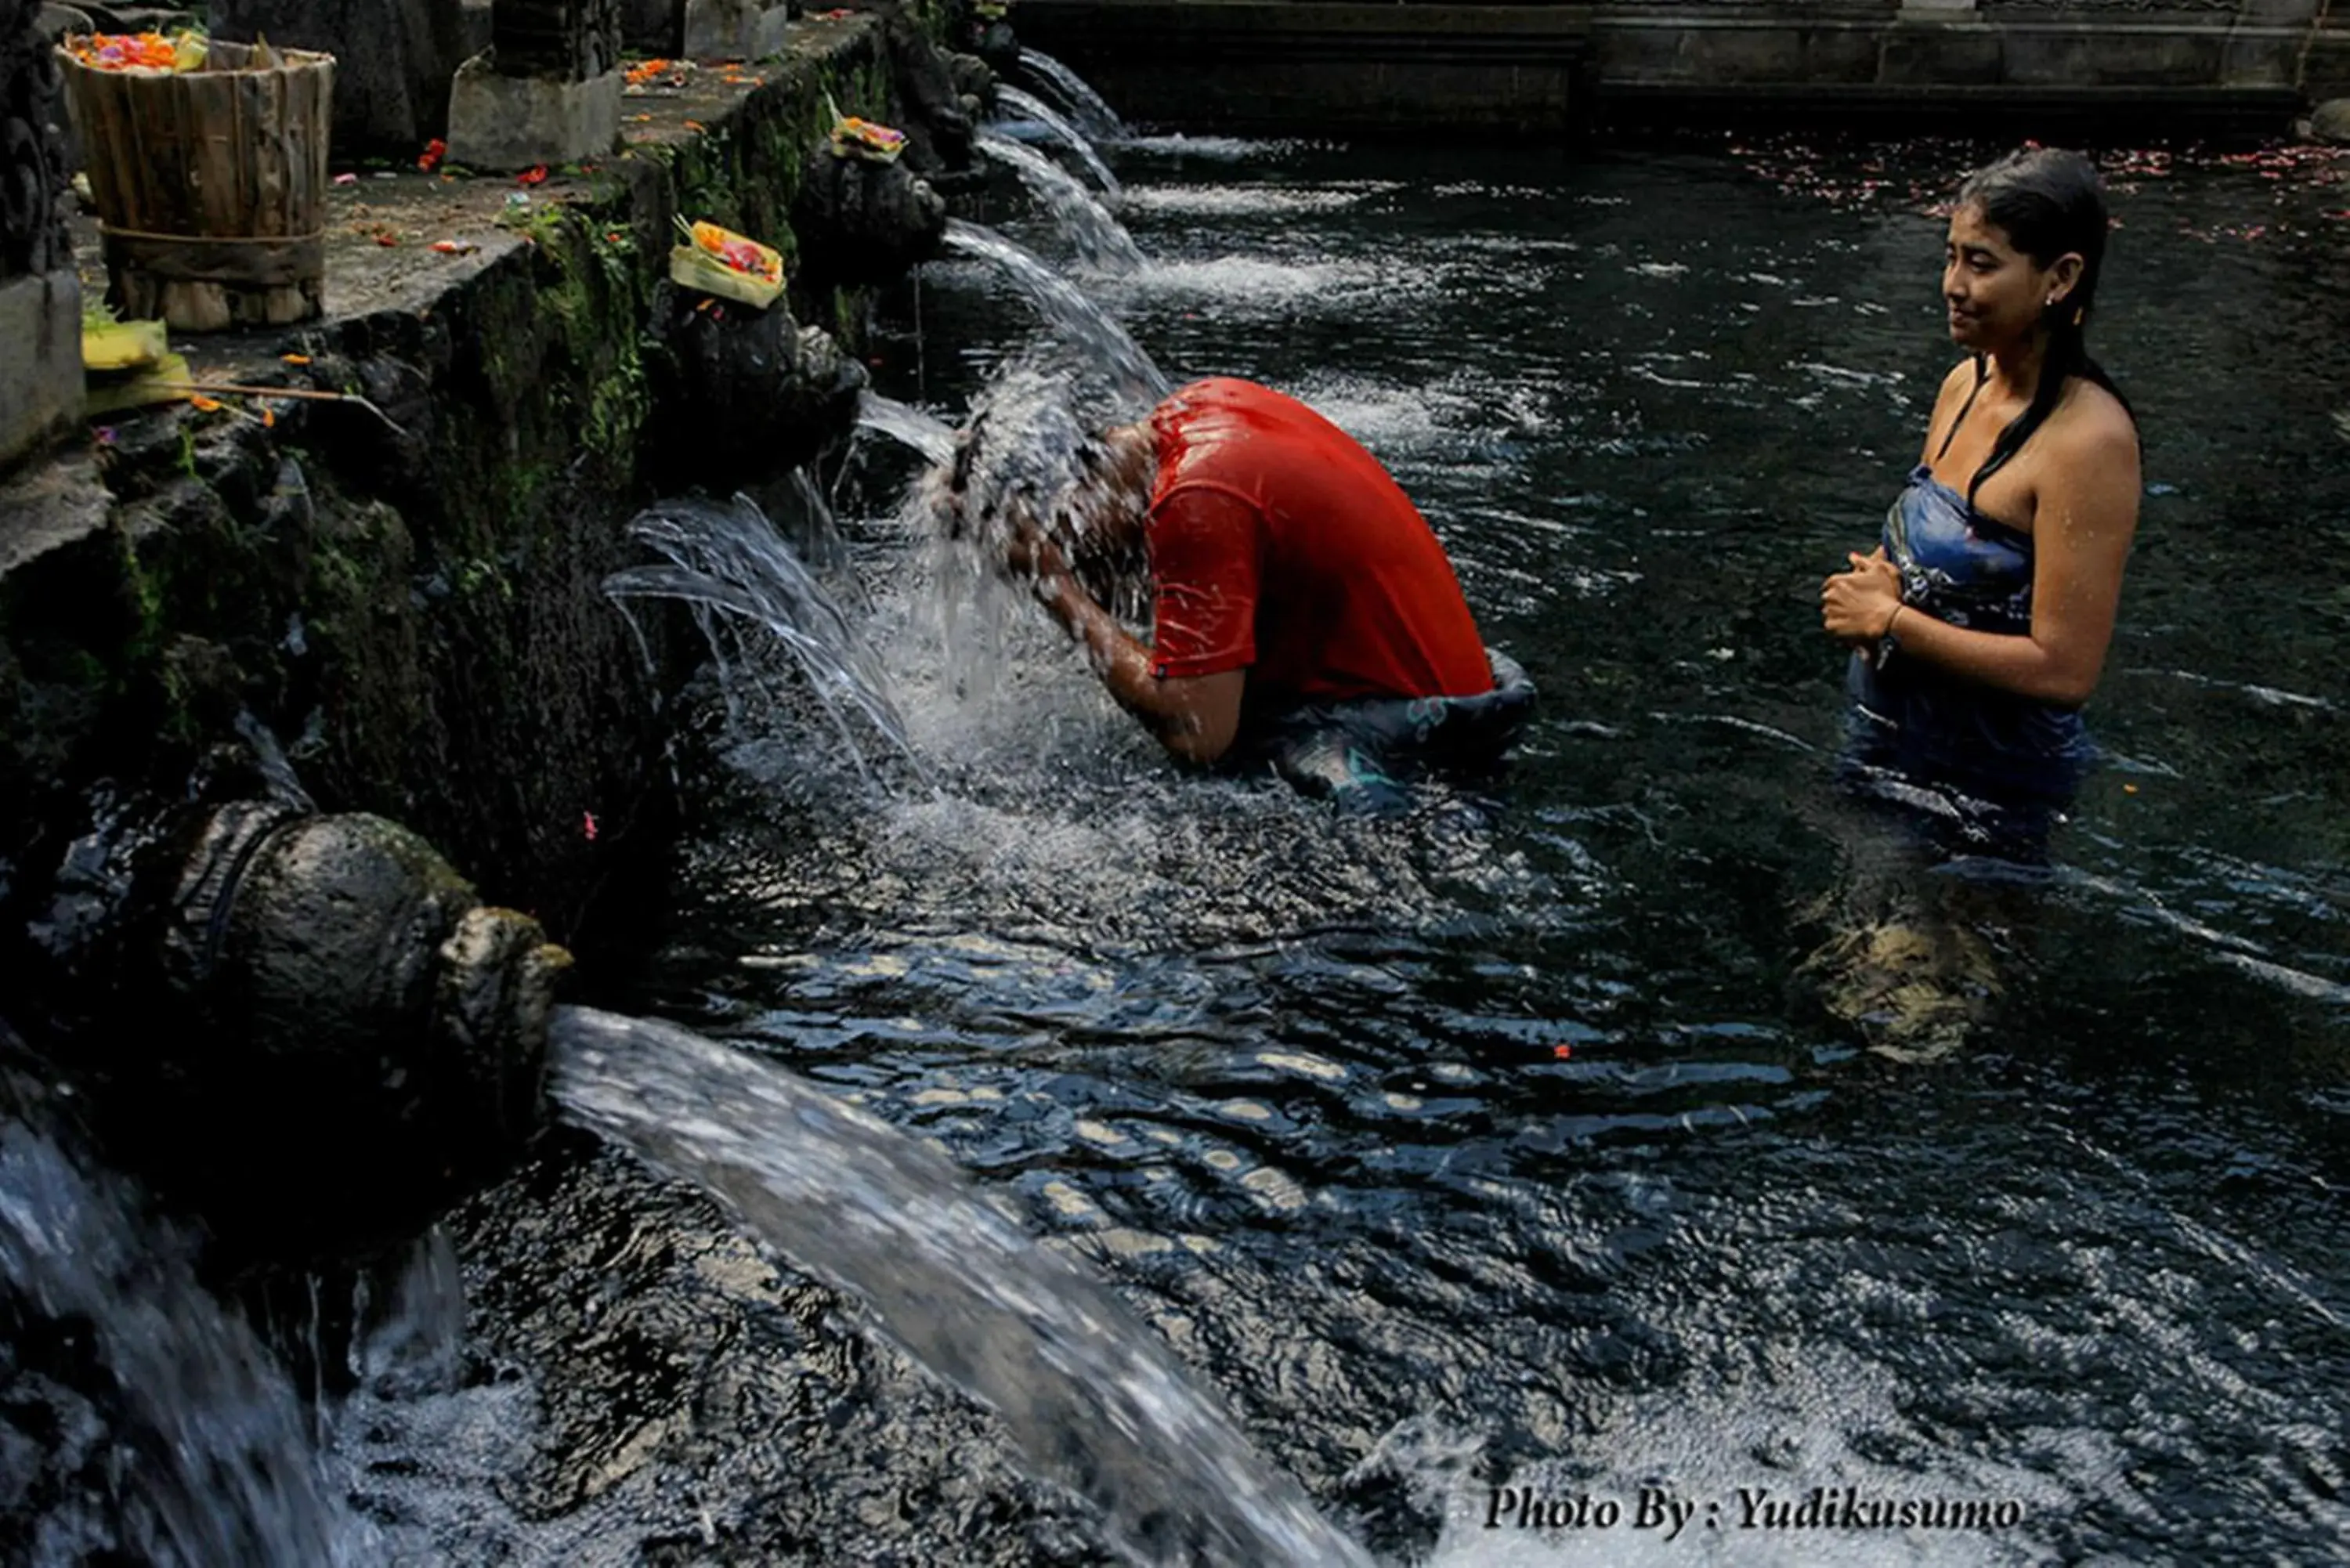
{"points": [[2047, 202]]}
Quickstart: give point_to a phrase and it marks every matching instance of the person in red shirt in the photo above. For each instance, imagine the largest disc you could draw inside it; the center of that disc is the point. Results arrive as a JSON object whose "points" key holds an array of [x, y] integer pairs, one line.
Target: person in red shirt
{"points": [[1297, 596]]}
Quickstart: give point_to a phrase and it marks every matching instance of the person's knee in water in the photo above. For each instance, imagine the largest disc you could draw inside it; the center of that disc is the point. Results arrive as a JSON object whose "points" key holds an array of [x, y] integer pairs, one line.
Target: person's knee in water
{"points": [[1290, 586]]}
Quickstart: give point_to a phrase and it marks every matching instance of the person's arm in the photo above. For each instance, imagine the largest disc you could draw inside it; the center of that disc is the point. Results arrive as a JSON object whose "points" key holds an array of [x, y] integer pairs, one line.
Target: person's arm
{"points": [[1952, 397], [2084, 519], [1195, 717]]}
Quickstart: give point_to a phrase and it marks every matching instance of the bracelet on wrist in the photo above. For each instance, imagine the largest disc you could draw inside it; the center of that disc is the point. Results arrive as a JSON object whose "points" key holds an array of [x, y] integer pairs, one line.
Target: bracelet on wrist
{"points": [[1882, 655]]}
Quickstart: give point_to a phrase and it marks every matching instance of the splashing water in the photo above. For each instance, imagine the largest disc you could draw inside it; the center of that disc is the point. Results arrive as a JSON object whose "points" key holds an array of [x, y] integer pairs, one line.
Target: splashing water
{"points": [[933, 438], [1091, 110], [1101, 240], [176, 1435], [1132, 372], [1045, 115], [729, 561], [1083, 1386]]}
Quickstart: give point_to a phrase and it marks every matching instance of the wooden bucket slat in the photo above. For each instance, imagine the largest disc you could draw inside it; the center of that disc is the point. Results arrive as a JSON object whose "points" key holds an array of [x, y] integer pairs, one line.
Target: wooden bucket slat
{"points": [[185, 166]]}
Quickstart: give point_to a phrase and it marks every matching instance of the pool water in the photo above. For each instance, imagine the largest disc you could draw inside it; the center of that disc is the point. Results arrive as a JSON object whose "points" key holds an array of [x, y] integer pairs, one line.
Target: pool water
{"points": [[1565, 1144]]}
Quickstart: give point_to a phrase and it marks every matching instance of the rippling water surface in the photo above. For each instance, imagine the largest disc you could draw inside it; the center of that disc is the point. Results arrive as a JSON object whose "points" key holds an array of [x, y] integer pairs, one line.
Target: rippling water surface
{"points": [[1526, 1147]]}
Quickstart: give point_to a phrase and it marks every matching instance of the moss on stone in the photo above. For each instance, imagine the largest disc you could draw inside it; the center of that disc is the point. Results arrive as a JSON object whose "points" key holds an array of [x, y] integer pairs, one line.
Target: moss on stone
{"points": [[425, 599]]}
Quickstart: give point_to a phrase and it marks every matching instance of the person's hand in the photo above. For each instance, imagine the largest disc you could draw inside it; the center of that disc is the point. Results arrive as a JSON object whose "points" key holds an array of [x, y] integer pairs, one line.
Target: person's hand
{"points": [[1024, 545], [1026, 553], [1858, 606]]}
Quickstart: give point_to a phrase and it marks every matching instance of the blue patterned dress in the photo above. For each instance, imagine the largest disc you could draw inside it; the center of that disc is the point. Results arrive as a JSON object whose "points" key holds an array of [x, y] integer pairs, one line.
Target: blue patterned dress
{"points": [[1939, 729]]}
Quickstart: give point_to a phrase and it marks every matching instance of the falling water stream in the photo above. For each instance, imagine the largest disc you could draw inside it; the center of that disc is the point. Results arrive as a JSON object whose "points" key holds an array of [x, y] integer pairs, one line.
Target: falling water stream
{"points": [[1101, 241], [1445, 1153], [927, 435], [1084, 1387], [144, 1422], [729, 562], [1083, 322], [1092, 114], [1069, 136]]}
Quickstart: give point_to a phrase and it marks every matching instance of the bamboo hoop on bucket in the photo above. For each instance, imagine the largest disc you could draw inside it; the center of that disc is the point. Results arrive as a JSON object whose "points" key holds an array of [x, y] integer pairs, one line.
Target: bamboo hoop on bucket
{"points": [[211, 183]]}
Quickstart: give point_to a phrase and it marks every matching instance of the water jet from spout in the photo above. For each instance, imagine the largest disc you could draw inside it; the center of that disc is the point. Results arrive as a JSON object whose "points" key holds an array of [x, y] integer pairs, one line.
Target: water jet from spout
{"points": [[1087, 107], [730, 567], [1134, 374], [933, 438], [1088, 1391], [1101, 240], [1045, 115]]}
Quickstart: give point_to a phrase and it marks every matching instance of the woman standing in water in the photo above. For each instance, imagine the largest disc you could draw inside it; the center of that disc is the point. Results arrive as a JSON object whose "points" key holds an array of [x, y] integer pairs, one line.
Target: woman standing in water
{"points": [[1981, 623]]}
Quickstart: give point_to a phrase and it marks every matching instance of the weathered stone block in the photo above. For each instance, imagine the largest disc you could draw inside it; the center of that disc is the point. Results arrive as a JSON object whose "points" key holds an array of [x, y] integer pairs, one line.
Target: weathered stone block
{"points": [[498, 121], [653, 26], [2326, 65], [2086, 54], [2297, 13], [569, 40], [47, 507], [40, 375], [2262, 57], [476, 23], [2330, 121], [1939, 54], [393, 60], [733, 29]]}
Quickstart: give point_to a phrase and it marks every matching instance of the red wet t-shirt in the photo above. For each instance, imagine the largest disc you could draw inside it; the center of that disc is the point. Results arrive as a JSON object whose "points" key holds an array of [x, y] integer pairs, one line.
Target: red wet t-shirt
{"points": [[1279, 546]]}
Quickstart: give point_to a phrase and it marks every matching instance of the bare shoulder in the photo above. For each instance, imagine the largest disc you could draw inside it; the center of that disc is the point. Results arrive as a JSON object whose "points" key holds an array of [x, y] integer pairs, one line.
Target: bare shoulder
{"points": [[1953, 391], [2091, 425], [1956, 384]]}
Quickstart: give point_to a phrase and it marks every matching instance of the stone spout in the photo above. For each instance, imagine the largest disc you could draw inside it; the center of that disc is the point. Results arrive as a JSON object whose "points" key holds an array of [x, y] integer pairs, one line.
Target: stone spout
{"points": [[937, 125], [861, 222], [741, 395], [308, 1027], [343, 947]]}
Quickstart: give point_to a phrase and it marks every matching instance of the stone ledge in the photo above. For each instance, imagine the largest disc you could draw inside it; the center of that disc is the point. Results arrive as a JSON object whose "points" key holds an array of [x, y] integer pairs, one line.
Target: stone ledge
{"points": [[49, 507], [2122, 69], [40, 387], [412, 599]]}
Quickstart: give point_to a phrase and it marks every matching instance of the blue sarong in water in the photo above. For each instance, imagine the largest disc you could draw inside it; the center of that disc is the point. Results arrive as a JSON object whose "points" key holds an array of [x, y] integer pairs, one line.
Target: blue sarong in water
{"points": [[1363, 753], [2006, 765]]}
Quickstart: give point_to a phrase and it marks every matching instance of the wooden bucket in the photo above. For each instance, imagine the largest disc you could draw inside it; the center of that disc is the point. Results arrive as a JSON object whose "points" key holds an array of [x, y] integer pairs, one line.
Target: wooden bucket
{"points": [[211, 184]]}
